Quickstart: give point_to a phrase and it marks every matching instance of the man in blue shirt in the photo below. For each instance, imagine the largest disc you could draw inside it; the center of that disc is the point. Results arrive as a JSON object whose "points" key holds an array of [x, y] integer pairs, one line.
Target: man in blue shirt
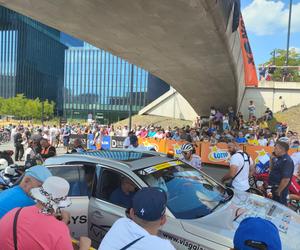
{"points": [[123, 195], [241, 139], [282, 169], [151, 133], [19, 196]]}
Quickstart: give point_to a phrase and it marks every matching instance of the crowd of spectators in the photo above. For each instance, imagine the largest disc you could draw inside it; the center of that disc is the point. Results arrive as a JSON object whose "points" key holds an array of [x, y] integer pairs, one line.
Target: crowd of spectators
{"points": [[287, 74], [40, 143], [220, 126]]}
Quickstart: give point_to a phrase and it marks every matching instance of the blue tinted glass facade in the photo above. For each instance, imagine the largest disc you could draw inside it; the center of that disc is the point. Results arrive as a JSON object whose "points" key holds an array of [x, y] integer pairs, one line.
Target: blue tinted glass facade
{"points": [[98, 82], [31, 58], [8, 60]]}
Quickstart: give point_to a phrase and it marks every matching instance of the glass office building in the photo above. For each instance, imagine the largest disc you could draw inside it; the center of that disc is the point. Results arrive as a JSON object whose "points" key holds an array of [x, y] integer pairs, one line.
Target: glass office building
{"points": [[99, 83], [31, 59]]}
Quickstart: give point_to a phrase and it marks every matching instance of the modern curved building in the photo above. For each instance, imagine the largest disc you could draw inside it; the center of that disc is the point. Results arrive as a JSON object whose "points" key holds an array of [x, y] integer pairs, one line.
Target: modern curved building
{"points": [[39, 61], [31, 58], [99, 83]]}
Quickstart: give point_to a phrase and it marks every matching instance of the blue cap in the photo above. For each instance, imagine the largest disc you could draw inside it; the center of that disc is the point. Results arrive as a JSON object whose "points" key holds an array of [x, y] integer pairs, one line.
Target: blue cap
{"points": [[256, 231], [38, 172], [149, 203]]}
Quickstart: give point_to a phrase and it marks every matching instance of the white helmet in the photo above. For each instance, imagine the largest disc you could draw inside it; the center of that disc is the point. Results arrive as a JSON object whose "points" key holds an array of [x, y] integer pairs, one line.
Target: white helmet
{"points": [[187, 147], [3, 164], [10, 171], [284, 139]]}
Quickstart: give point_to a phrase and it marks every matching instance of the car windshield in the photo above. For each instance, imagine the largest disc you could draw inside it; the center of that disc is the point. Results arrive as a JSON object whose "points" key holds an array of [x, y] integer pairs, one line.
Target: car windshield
{"points": [[191, 194]]}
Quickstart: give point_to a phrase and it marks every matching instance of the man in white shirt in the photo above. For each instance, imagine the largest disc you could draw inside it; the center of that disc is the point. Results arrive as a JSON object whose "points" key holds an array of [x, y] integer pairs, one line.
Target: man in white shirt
{"points": [[296, 159], [139, 232], [262, 141], [240, 166], [53, 133], [126, 142], [125, 131]]}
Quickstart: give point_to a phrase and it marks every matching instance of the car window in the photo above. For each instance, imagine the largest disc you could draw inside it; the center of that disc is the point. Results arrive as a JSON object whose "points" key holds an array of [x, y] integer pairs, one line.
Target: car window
{"points": [[80, 178], [191, 194], [115, 187]]}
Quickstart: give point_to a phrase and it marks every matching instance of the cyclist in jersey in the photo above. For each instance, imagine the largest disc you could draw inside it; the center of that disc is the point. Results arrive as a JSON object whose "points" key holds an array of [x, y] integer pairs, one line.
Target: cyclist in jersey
{"points": [[189, 156]]}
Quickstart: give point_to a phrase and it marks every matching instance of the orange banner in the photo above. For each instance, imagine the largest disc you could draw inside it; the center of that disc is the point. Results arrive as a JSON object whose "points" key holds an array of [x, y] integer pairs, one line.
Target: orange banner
{"points": [[158, 144], [257, 151], [250, 76], [215, 154], [175, 146]]}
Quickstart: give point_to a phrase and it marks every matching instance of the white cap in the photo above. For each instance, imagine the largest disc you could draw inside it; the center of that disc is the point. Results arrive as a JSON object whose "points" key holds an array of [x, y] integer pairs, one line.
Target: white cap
{"points": [[53, 192]]}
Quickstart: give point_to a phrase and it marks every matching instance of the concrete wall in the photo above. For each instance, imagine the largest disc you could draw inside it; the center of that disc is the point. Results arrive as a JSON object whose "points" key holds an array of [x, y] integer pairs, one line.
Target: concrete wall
{"points": [[183, 42], [172, 105], [267, 95], [234, 45]]}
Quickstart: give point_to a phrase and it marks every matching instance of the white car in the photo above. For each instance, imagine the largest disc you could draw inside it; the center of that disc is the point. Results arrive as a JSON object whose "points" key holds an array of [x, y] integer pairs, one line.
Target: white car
{"points": [[201, 213]]}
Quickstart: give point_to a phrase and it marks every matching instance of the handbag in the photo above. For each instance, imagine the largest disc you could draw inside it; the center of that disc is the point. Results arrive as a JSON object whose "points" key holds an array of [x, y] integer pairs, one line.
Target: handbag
{"points": [[131, 243], [15, 228]]}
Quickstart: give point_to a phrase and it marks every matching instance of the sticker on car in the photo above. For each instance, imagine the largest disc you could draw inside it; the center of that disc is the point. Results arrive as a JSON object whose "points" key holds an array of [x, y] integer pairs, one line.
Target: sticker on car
{"points": [[161, 166]]}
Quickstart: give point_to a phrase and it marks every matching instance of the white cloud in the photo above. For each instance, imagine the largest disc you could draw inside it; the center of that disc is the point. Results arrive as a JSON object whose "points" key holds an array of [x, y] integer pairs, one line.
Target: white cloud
{"points": [[296, 49], [267, 17]]}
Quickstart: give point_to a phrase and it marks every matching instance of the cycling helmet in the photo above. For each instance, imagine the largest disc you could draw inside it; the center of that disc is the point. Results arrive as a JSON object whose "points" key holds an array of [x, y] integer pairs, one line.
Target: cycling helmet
{"points": [[3, 164], [284, 139], [187, 147]]}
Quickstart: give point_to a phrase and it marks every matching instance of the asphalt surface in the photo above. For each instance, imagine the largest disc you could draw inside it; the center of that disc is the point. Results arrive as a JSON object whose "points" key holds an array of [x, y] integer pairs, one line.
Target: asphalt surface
{"points": [[215, 171]]}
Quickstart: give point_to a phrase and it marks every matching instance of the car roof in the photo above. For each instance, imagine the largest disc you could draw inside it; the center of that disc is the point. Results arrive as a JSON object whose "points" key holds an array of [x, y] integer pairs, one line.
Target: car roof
{"points": [[131, 159]]}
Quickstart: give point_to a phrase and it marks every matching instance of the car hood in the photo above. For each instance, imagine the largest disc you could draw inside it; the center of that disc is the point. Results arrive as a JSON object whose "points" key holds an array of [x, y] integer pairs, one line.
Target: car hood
{"points": [[221, 224]]}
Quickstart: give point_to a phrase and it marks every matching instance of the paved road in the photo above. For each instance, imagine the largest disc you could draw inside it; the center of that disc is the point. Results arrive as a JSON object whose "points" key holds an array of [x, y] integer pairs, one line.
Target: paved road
{"points": [[215, 171]]}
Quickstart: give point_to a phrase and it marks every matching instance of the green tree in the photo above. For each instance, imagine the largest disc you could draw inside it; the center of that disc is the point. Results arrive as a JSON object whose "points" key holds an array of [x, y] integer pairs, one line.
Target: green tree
{"points": [[18, 104], [49, 109], [6, 107], [280, 59], [22, 107]]}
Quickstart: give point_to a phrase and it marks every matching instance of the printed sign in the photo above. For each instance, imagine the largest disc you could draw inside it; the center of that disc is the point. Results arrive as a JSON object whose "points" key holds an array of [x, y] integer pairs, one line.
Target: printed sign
{"points": [[261, 157], [117, 141], [215, 154], [105, 142], [175, 146], [157, 144]]}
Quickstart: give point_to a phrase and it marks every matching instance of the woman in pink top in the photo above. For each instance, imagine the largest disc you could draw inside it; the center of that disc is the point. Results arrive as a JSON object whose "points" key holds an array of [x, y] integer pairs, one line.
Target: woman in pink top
{"points": [[38, 227]]}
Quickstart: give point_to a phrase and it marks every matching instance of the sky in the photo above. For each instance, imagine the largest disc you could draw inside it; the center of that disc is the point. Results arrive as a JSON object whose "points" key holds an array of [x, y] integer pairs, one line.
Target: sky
{"points": [[267, 24]]}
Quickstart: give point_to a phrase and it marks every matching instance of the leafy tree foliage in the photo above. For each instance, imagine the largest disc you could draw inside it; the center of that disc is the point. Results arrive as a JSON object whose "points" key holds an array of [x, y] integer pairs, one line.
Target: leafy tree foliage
{"points": [[22, 107], [280, 59]]}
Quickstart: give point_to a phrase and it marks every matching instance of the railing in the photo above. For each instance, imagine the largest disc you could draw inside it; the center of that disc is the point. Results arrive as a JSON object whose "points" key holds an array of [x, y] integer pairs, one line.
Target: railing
{"points": [[279, 73]]}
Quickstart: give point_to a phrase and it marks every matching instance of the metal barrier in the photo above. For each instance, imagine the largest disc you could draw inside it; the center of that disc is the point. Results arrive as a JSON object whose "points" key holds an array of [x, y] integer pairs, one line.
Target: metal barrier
{"points": [[209, 153]]}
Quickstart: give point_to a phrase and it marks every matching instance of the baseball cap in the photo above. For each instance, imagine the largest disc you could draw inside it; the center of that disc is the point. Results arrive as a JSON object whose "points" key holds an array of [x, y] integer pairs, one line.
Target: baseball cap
{"points": [[255, 231], [149, 203], [38, 172]]}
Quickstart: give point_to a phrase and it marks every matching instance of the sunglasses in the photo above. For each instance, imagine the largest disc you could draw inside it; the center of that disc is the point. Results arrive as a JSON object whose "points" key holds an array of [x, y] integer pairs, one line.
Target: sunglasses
{"points": [[185, 153]]}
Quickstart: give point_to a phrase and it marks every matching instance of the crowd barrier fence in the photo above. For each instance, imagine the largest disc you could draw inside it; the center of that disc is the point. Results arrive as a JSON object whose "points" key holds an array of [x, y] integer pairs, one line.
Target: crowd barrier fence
{"points": [[211, 154]]}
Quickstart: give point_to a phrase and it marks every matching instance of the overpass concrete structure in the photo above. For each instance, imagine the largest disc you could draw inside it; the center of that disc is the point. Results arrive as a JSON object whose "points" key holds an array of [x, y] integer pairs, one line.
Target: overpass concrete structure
{"points": [[187, 43]]}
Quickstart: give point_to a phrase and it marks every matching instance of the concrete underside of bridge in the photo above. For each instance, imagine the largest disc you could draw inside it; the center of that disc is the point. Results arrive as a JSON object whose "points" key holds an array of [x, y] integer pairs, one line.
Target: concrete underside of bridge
{"points": [[184, 42]]}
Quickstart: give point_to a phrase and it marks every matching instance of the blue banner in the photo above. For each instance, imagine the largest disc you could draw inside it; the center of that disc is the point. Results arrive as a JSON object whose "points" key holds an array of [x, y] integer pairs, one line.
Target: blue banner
{"points": [[90, 142], [105, 143]]}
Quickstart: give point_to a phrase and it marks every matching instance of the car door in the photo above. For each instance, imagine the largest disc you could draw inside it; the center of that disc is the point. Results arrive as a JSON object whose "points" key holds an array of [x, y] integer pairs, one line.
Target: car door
{"points": [[103, 212], [79, 194]]}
